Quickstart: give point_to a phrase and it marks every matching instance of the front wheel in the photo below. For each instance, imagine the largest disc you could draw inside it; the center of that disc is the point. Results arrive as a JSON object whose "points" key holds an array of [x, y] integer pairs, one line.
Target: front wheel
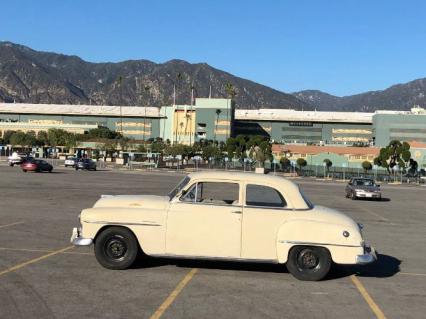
{"points": [[309, 263], [116, 248]]}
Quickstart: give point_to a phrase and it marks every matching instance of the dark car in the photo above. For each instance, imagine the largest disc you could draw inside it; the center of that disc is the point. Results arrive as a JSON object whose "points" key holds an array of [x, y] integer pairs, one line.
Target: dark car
{"points": [[85, 164], [35, 165], [363, 188]]}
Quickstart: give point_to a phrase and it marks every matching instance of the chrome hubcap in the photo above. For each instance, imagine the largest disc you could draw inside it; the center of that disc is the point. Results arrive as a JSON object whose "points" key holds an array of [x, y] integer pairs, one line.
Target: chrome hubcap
{"points": [[307, 259], [116, 248]]}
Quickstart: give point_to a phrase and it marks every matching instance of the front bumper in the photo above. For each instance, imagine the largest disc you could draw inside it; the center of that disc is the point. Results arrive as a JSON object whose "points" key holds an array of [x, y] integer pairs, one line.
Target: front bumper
{"points": [[368, 257], [368, 194], [78, 240]]}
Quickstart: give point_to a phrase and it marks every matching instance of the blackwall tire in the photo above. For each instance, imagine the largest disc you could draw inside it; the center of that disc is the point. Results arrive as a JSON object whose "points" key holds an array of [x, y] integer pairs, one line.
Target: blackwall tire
{"points": [[309, 263], [116, 248]]}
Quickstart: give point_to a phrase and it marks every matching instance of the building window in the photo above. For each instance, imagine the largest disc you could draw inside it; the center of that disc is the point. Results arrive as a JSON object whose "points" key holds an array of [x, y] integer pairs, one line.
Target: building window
{"points": [[301, 124]]}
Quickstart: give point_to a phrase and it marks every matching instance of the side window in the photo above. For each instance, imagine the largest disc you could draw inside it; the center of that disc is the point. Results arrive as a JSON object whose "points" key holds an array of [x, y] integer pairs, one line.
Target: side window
{"points": [[214, 193], [259, 195]]}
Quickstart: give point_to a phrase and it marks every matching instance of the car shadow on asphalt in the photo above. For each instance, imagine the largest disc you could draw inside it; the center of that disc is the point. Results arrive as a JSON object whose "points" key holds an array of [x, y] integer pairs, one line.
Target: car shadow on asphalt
{"points": [[385, 266], [383, 199], [148, 262]]}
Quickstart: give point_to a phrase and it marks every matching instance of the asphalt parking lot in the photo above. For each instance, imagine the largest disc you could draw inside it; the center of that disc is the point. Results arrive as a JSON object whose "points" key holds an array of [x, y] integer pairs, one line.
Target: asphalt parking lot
{"points": [[42, 276]]}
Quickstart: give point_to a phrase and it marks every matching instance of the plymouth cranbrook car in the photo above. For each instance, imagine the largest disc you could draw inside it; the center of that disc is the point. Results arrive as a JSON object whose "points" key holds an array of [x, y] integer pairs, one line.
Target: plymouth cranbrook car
{"points": [[224, 215]]}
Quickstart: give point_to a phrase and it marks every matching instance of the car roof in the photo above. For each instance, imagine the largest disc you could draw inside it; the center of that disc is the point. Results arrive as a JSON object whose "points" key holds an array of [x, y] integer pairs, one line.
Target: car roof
{"points": [[287, 187]]}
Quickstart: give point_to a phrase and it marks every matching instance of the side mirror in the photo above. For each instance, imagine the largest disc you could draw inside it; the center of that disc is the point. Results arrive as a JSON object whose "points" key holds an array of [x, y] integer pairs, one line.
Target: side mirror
{"points": [[378, 185], [183, 193]]}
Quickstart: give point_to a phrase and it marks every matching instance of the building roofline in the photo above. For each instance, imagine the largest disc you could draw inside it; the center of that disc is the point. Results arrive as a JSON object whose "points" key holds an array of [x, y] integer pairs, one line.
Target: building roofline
{"points": [[81, 110]]}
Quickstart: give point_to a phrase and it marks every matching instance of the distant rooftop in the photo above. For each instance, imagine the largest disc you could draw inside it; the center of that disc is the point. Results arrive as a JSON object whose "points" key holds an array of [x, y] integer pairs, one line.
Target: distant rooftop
{"points": [[314, 149], [82, 110], [313, 116]]}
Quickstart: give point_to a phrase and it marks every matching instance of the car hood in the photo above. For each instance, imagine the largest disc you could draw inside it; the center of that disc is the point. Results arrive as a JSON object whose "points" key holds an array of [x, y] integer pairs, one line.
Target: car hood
{"points": [[133, 201]]}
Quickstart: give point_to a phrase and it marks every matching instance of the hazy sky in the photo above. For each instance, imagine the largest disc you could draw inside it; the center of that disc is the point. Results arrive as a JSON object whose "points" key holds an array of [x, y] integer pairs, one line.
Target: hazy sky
{"points": [[338, 46]]}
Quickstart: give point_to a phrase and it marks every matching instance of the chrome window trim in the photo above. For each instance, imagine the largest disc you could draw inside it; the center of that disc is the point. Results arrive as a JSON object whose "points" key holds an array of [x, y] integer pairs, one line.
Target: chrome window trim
{"points": [[212, 204], [206, 204]]}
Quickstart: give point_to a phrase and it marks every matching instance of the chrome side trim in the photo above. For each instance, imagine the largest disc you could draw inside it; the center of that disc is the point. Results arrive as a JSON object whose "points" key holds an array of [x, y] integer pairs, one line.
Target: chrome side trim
{"points": [[314, 244], [144, 223], [237, 259]]}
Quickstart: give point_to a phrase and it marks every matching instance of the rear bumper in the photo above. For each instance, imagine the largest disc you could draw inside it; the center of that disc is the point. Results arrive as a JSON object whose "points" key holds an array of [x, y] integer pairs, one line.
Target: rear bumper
{"points": [[78, 240], [368, 257]]}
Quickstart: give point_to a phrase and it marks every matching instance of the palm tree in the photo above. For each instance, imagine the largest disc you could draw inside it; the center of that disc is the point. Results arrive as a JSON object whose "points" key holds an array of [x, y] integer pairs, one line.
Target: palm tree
{"points": [[187, 118], [218, 111], [231, 92], [146, 90], [120, 82]]}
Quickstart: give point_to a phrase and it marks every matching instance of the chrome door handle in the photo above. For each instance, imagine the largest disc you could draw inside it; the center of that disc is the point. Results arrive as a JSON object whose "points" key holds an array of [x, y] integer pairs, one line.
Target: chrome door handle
{"points": [[237, 212]]}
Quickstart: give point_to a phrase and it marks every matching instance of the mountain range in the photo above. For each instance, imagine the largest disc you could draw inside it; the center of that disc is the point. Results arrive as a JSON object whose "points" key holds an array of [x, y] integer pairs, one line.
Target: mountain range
{"points": [[32, 76], [396, 97]]}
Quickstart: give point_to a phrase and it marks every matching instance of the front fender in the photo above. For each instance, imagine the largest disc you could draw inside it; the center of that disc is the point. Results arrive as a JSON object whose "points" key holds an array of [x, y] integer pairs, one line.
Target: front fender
{"points": [[343, 249], [148, 225]]}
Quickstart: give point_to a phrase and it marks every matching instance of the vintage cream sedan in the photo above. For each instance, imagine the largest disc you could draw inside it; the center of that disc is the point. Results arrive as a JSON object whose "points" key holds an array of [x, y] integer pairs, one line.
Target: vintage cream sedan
{"points": [[224, 215]]}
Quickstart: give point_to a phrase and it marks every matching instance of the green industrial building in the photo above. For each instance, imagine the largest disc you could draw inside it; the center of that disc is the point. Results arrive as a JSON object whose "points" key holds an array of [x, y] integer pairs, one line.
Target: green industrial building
{"points": [[217, 119]]}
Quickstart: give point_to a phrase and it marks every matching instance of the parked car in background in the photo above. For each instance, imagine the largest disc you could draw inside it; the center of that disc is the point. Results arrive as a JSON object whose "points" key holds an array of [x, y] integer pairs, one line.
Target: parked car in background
{"points": [[363, 188], [70, 161], [18, 158], [35, 165], [228, 216], [85, 163]]}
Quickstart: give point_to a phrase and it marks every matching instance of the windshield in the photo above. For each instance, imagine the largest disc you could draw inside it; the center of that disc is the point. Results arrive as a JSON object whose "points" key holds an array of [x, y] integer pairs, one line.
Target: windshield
{"points": [[364, 182], [179, 187]]}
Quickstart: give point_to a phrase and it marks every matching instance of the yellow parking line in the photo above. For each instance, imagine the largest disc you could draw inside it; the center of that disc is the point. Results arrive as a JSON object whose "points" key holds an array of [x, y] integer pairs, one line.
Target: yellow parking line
{"points": [[12, 224], [32, 261], [411, 274], [373, 306], [169, 300]]}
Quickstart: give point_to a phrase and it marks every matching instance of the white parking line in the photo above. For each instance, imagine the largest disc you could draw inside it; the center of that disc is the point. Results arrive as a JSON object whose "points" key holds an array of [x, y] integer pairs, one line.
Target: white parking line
{"points": [[12, 224]]}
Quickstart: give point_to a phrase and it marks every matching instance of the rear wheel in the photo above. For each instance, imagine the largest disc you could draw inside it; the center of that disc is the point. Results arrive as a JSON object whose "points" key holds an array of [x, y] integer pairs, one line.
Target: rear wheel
{"points": [[116, 248], [309, 263]]}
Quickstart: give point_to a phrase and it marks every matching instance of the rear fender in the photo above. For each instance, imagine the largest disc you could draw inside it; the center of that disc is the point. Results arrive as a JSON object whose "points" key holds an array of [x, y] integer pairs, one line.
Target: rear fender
{"points": [[317, 233]]}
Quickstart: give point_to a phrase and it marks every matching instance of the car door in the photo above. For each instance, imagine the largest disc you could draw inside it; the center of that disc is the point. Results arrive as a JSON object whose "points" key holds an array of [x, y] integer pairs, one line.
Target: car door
{"points": [[265, 210], [206, 221]]}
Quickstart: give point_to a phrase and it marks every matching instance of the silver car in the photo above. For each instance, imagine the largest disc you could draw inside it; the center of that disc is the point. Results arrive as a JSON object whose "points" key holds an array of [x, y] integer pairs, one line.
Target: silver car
{"points": [[70, 161], [363, 188]]}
